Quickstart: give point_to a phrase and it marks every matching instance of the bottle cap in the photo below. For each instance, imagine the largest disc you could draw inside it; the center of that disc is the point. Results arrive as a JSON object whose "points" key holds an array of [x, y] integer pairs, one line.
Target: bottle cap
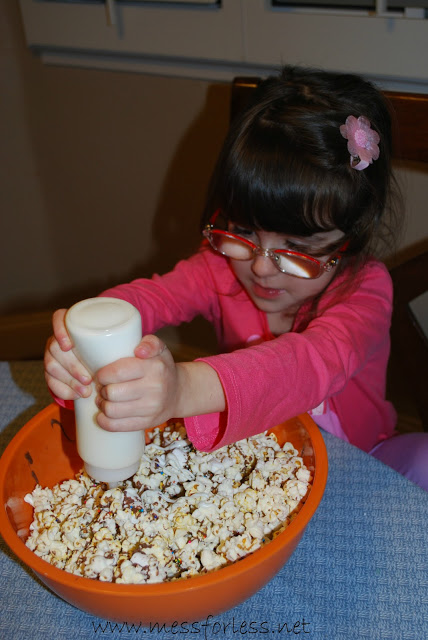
{"points": [[111, 476]]}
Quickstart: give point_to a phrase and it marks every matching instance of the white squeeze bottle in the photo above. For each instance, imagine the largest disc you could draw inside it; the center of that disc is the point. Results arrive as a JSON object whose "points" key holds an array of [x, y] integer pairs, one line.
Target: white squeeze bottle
{"points": [[104, 330]]}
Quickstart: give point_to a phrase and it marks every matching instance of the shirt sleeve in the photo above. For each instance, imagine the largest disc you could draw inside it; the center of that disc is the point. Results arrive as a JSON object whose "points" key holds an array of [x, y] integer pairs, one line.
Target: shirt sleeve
{"points": [[277, 380], [176, 297]]}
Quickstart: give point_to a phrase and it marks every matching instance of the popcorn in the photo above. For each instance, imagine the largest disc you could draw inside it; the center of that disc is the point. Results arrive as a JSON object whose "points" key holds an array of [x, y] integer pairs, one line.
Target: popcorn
{"points": [[184, 512]]}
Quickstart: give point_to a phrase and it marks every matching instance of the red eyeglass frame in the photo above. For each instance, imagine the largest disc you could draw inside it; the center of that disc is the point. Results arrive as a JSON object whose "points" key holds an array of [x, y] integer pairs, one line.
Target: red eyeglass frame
{"points": [[271, 253]]}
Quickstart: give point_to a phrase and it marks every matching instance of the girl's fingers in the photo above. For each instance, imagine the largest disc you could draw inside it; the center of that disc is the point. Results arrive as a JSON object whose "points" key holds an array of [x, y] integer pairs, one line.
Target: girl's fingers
{"points": [[132, 399], [66, 377], [60, 389], [132, 379], [136, 414], [122, 391], [57, 362], [120, 371], [128, 369], [124, 424], [61, 383], [60, 331], [67, 388]]}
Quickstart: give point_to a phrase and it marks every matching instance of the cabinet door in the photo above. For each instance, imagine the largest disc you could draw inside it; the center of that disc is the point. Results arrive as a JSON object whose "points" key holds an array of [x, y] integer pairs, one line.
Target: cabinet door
{"points": [[378, 43], [207, 30]]}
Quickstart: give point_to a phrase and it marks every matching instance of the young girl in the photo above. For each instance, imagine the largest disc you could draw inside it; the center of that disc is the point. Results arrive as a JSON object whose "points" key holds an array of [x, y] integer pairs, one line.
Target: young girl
{"points": [[301, 309]]}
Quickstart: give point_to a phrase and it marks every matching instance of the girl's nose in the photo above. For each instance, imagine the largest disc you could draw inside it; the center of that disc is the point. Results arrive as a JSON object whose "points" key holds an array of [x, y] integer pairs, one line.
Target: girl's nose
{"points": [[263, 265]]}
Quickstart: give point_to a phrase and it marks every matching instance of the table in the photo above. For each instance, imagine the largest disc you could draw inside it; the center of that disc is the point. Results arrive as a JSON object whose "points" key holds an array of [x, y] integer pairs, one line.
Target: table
{"points": [[360, 571]]}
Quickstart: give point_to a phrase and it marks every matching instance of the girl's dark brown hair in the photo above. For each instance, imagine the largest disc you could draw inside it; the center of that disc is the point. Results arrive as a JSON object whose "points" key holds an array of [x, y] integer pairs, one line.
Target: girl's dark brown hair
{"points": [[285, 166]]}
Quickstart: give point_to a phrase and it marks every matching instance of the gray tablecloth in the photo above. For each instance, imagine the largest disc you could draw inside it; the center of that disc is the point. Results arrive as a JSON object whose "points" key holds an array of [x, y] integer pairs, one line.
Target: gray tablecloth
{"points": [[360, 571]]}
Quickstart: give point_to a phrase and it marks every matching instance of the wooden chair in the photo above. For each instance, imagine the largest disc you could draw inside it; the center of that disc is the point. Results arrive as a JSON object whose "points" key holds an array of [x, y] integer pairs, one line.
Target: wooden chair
{"points": [[408, 372]]}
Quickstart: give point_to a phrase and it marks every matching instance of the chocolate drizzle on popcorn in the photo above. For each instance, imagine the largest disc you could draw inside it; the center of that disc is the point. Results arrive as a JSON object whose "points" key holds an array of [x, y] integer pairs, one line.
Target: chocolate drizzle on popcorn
{"points": [[183, 513]]}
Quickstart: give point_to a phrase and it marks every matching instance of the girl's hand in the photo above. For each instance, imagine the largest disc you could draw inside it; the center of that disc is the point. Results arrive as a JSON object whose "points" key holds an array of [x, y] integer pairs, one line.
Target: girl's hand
{"points": [[145, 391], [140, 392], [66, 376]]}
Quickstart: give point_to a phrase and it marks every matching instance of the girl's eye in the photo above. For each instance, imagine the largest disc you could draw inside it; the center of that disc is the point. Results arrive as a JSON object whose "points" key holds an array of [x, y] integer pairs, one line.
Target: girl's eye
{"points": [[293, 247], [298, 248], [240, 231], [307, 250]]}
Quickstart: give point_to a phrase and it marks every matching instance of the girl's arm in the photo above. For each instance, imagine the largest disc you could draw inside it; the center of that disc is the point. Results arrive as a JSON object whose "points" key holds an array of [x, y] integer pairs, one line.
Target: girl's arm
{"points": [[171, 299], [179, 296], [134, 393], [341, 357]]}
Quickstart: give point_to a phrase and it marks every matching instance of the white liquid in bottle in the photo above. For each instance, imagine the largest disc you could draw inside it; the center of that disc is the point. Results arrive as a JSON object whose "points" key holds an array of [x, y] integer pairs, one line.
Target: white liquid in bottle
{"points": [[104, 330]]}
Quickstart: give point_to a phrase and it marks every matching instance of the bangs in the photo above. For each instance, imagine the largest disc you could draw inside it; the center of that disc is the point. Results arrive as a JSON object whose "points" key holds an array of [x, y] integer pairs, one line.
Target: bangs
{"points": [[278, 190], [299, 205]]}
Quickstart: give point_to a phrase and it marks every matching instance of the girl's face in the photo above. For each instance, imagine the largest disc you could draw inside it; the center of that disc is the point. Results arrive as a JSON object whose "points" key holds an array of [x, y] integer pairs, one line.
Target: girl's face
{"points": [[271, 290]]}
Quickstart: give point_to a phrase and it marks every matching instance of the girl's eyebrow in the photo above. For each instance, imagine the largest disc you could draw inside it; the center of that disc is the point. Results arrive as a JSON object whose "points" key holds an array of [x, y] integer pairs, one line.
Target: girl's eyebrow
{"points": [[306, 242], [322, 246]]}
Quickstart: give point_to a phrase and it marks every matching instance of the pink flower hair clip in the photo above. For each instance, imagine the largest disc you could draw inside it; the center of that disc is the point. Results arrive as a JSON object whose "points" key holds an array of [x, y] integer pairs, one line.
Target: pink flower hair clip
{"points": [[362, 141]]}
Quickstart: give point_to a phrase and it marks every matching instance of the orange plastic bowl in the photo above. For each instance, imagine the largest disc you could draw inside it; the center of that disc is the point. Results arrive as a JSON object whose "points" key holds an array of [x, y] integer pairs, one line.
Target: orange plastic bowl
{"points": [[44, 452]]}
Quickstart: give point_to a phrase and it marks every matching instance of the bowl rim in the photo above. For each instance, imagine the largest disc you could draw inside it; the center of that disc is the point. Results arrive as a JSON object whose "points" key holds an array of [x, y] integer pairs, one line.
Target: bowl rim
{"points": [[45, 570]]}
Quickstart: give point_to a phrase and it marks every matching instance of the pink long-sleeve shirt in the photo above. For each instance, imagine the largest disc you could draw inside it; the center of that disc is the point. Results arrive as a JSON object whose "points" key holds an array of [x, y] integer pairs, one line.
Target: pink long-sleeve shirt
{"points": [[333, 367]]}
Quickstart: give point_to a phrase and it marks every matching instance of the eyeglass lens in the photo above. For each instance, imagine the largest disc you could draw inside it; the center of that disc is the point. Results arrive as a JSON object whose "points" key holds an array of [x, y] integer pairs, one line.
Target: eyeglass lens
{"points": [[239, 250]]}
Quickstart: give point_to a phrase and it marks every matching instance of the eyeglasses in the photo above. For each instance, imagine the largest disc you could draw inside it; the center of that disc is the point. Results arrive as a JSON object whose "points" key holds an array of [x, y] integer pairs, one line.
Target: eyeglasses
{"points": [[290, 262]]}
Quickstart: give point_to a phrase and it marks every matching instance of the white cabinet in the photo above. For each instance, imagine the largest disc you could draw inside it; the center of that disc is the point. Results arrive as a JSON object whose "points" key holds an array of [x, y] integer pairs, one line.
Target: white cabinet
{"points": [[223, 38], [387, 46]]}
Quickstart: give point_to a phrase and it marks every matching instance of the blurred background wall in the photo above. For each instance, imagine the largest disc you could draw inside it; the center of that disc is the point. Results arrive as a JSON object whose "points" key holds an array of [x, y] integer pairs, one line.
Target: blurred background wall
{"points": [[104, 176]]}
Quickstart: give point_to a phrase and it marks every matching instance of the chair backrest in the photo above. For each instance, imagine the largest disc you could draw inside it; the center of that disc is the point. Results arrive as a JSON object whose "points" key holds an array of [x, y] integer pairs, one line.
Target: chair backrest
{"points": [[410, 143]]}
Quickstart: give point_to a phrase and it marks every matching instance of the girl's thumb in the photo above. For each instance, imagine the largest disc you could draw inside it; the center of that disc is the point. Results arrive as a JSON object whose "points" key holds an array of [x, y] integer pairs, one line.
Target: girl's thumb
{"points": [[150, 347]]}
